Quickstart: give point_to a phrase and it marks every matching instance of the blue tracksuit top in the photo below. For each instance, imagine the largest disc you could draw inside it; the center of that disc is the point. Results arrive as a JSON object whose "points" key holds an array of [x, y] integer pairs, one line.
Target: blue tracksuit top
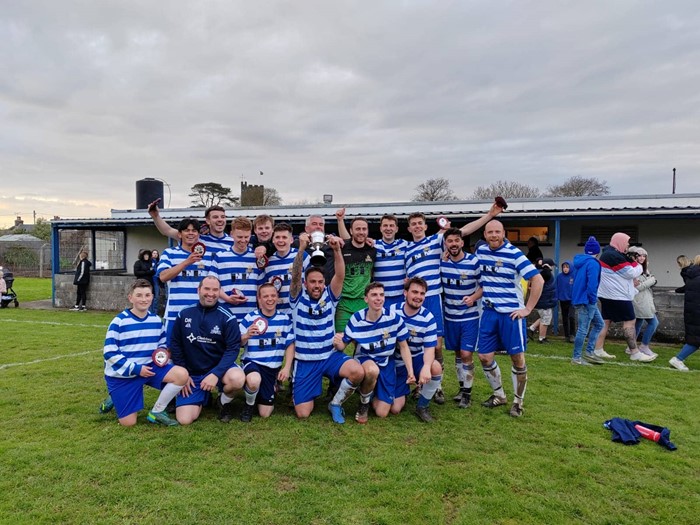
{"points": [[586, 280], [205, 340]]}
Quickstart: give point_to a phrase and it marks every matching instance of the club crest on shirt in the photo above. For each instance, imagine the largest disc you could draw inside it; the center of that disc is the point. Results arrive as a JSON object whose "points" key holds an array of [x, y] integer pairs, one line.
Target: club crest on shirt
{"points": [[368, 259], [463, 275], [499, 263], [322, 303], [278, 333], [385, 335], [216, 330], [414, 333]]}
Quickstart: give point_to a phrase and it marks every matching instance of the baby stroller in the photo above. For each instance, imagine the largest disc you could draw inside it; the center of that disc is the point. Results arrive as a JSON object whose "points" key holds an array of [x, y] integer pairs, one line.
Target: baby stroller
{"points": [[8, 297]]}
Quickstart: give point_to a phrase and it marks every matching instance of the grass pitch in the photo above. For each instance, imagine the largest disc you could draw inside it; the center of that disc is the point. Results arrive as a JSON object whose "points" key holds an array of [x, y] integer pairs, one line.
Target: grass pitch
{"points": [[61, 462]]}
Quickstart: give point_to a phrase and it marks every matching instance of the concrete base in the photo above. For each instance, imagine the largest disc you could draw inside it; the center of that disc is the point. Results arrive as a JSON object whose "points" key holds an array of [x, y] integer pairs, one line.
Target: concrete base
{"points": [[106, 292]]}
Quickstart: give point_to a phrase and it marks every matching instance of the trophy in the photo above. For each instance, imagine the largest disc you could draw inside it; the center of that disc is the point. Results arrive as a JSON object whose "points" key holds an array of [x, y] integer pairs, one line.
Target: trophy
{"points": [[261, 325], [317, 256], [199, 248], [160, 357], [443, 222]]}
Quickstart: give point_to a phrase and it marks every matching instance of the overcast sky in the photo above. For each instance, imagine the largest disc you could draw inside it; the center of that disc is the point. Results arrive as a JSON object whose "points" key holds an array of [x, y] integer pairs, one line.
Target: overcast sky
{"points": [[363, 100]]}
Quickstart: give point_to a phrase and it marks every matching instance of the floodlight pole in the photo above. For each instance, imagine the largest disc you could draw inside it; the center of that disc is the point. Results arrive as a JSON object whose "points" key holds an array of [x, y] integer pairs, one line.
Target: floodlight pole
{"points": [[674, 181]]}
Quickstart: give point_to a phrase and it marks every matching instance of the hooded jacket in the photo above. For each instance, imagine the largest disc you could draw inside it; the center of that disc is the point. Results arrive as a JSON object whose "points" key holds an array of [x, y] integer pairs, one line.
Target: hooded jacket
{"points": [[565, 282], [691, 309], [548, 299], [617, 275], [586, 280]]}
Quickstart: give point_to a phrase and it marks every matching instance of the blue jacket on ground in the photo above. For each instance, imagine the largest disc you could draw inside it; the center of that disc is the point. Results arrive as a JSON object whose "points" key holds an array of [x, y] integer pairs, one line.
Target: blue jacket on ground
{"points": [[205, 340], [586, 280], [565, 283]]}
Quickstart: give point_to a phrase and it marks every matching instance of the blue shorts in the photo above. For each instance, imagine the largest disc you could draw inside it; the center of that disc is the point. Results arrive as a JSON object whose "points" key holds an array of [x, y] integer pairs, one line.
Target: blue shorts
{"points": [[395, 299], [402, 389], [461, 335], [434, 305], [385, 388], [497, 331], [199, 396], [308, 376], [127, 393], [268, 382]]}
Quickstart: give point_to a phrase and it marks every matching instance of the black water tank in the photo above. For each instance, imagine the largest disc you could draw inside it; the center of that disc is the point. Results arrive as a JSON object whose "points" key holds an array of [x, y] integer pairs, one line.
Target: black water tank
{"points": [[148, 190]]}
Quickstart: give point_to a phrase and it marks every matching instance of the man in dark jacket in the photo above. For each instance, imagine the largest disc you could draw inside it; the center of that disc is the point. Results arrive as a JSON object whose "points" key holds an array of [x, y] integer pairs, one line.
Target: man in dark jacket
{"points": [[206, 341], [584, 297]]}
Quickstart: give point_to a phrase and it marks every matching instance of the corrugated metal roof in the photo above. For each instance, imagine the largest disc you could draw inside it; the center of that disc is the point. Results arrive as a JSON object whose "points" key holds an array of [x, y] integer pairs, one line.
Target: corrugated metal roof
{"points": [[632, 205]]}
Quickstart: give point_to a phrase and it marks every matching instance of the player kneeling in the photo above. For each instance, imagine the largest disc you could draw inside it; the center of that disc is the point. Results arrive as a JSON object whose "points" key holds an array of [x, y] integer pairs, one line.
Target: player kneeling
{"points": [[135, 355], [269, 338]]}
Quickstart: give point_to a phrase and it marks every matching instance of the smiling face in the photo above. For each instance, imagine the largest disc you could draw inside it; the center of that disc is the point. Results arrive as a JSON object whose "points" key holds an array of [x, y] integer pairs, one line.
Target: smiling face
{"points": [[188, 236], [141, 299], [282, 240], [389, 228], [209, 292], [417, 228], [454, 245], [375, 298], [494, 234], [315, 284], [241, 238], [267, 299], [314, 224], [358, 232], [263, 231], [217, 222], [415, 296]]}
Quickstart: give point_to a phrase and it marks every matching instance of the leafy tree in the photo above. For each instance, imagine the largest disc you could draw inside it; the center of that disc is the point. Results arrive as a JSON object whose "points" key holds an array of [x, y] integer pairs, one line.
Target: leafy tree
{"points": [[506, 189], [578, 186], [42, 229], [434, 190], [212, 194], [271, 197]]}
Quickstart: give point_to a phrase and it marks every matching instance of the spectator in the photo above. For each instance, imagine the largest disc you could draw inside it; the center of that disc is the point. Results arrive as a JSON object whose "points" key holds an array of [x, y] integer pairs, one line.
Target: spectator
{"points": [[644, 308], [546, 303], [683, 263], [534, 253], [565, 286], [691, 315], [143, 268], [82, 281]]}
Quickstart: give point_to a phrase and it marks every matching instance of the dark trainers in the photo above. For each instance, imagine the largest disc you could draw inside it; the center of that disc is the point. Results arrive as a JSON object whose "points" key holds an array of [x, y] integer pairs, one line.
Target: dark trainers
{"points": [[106, 405], [161, 418], [337, 412], [516, 410], [362, 414], [543, 341], [423, 414], [530, 334], [465, 400], [247, 414], [494, 401], [439, 397], [458, 397], [416, 392], [225, 411]]}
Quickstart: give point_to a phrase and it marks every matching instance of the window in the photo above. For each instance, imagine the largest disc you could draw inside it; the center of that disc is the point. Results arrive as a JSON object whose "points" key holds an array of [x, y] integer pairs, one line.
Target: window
{"points": [[520, 234], [106, 248], [604, 233]]}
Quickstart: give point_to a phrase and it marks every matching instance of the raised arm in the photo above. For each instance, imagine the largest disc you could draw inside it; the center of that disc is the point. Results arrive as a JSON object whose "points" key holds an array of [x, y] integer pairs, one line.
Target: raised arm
{"points": [[297, 265], [163, 227], [342, 230], [473, 226], [339, 276]]}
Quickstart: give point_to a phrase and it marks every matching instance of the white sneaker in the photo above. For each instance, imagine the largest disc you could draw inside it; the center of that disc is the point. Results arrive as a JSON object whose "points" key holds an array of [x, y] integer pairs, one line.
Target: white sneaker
{"points": [[678, 364], [602, 353], [642, 358], [628, 351], [647, 351]]}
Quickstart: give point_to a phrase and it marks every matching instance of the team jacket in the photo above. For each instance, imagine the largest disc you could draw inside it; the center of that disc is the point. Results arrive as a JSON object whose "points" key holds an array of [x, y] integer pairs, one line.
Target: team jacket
{"points": [[617, 275], [205, 340]]}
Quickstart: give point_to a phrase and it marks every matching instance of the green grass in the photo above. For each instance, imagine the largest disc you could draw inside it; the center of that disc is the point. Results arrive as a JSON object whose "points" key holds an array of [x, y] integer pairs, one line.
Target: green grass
{"points": [[32, 289], [61, 462]]}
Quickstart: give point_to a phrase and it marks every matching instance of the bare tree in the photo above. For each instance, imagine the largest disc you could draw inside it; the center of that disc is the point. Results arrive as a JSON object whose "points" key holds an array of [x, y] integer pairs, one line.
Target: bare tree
{"points": [[506, 189], [271, 197], [211, 194], [434, 190], [578, 186]]}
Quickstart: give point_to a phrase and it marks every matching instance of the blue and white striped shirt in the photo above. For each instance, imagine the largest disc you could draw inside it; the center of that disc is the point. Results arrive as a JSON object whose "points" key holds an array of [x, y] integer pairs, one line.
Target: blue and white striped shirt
{"points": [[182, 289], [279, 273], [389, 267], [423, 260], [501, 271], [267, 349], [238, 271], [216, 244], [422, 331], [130, 343], [459, 280], [375, 339], [314, 325]]}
